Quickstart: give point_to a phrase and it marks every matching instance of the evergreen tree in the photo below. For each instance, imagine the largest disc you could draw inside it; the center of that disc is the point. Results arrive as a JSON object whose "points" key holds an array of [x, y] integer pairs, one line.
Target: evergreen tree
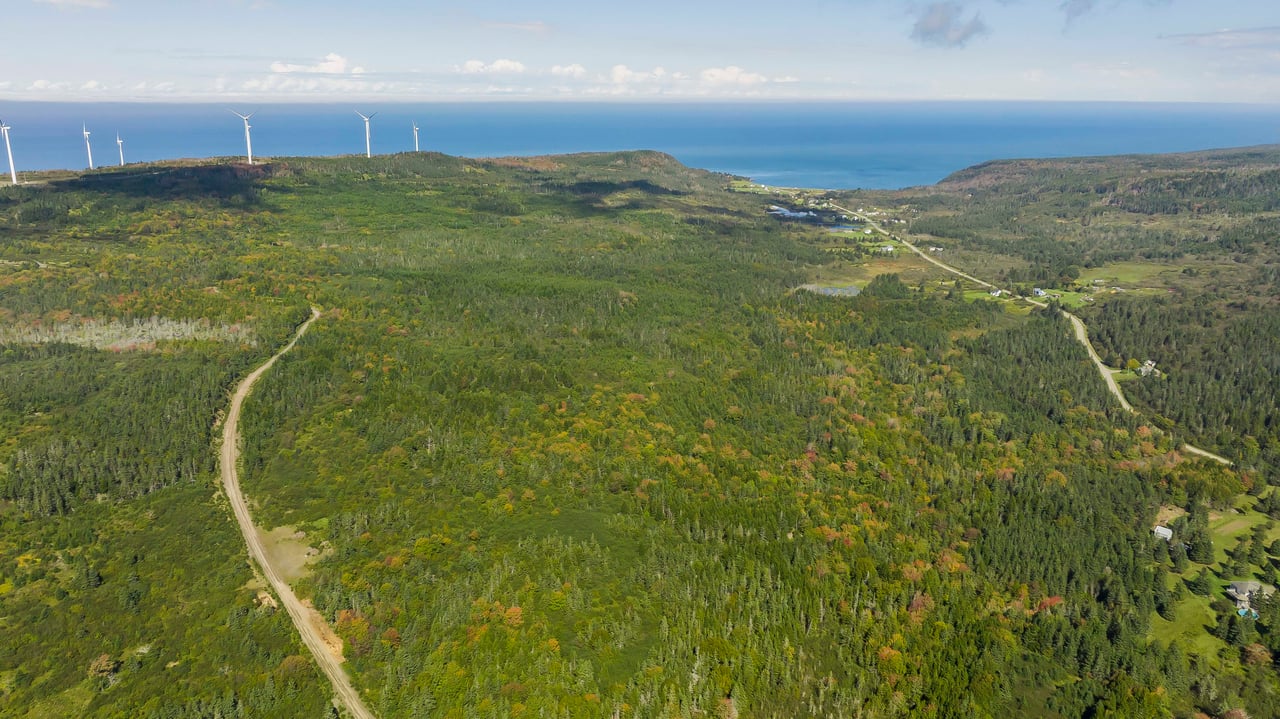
{"points": [[1201, 584]]}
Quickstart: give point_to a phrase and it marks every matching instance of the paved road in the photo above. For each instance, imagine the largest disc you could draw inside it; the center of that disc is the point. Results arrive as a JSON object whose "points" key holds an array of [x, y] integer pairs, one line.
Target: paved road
{"points": [[1082, 333], [316, 634]]}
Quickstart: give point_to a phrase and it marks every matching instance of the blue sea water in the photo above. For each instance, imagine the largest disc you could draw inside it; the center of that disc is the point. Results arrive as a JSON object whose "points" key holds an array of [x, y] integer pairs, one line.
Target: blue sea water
{"points": [[830, 145]]}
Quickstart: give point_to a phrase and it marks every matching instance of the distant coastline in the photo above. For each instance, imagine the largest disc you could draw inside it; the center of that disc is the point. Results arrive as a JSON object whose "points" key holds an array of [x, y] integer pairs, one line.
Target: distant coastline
{"points": [[870, 145]]}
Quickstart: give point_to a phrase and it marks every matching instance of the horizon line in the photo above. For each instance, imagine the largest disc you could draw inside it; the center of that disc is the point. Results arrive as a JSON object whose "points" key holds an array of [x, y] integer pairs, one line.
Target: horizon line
{"points": [[654, 100]]}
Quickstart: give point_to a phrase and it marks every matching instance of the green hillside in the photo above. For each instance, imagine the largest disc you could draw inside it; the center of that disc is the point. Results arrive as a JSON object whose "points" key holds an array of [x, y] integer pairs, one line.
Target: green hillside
{"points": [[568, 442]]}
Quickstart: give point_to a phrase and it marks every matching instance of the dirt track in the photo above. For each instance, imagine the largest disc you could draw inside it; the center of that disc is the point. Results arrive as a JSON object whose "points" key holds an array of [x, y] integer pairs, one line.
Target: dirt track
{"points": [[1083, 335], [316, 634]]}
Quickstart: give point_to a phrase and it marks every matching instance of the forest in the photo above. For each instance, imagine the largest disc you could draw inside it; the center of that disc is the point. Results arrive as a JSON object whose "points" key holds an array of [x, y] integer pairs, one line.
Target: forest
{"points": [[576, 446]]}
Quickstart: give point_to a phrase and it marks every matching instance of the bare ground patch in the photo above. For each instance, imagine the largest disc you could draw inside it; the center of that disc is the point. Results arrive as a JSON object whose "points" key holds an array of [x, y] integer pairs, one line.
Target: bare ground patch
{"points": [[122, 335], [289, 552], [1169, 513]]}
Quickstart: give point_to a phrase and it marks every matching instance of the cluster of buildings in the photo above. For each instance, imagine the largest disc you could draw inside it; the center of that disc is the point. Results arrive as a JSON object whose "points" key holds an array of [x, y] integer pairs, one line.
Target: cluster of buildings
{"points": [[1243, 592]]}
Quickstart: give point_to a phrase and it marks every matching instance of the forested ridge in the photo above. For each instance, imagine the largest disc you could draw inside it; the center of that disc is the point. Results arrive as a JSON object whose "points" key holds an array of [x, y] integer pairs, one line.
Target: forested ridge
{"points": [[575, 447]]}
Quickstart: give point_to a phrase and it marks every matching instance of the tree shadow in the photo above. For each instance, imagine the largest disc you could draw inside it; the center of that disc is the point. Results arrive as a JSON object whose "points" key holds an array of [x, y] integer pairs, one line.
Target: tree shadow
{"points": [[229, 185]]}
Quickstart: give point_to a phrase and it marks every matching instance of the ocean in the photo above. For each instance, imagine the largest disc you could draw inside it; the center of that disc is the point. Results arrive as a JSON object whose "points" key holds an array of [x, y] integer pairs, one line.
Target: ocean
{"points": [[880, 145]]}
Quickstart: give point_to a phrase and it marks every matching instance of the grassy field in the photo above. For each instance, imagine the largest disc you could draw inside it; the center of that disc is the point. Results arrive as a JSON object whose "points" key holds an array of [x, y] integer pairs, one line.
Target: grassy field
{"points": [[1193, 616], [1125, 273], [1227, 528], [906, 265], [1074, 300], [1190, 626], [751, 187]]}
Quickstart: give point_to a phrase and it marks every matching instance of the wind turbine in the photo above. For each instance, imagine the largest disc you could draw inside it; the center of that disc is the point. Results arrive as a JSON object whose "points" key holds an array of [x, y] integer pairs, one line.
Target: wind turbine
{"points": [[4, 130], [415, 137], [248, 143], [120, 145], [87, 147], [366, 118]]}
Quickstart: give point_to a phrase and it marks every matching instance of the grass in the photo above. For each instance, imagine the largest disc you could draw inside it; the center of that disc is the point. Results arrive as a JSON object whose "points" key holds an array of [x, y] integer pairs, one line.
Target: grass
{"points": [[1190, 627], [909, 267], [289, 551], [750, 187], [71, 702], [978, 294], [1193, 615], [1123, 273], [1073, 300], [1227, 529]]}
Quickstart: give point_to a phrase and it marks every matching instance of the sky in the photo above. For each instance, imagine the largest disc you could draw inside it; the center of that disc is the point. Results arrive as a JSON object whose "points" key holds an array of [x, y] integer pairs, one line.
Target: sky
{"points": [[400, 50]]}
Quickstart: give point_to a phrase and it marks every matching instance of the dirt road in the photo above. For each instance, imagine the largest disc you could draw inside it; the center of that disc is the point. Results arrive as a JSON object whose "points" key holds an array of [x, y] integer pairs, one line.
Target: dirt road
{"points": [[1208, 455], [1083, 335], [323, 644]]}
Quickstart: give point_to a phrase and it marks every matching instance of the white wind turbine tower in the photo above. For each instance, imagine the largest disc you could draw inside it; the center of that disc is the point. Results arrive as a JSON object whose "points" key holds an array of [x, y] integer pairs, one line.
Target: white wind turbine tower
{"points": [[120, 145], [87, 147], [248, 143], [415, 137], [366, 118], [13, 172]]}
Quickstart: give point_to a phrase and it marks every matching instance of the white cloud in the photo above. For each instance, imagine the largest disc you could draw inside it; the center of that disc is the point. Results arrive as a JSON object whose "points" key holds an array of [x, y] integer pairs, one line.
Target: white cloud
{"points": [[305, 84], [154, 87], [331, 64], [497, 67], [731, 76], [574, 71], [48, 86], [92, 85], [623, 75], [96, 4]]}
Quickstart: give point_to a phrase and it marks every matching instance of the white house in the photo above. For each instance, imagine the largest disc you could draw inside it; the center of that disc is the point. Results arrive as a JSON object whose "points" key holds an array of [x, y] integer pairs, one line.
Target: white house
{"points": [[1246, 591], [1163, 532]]}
